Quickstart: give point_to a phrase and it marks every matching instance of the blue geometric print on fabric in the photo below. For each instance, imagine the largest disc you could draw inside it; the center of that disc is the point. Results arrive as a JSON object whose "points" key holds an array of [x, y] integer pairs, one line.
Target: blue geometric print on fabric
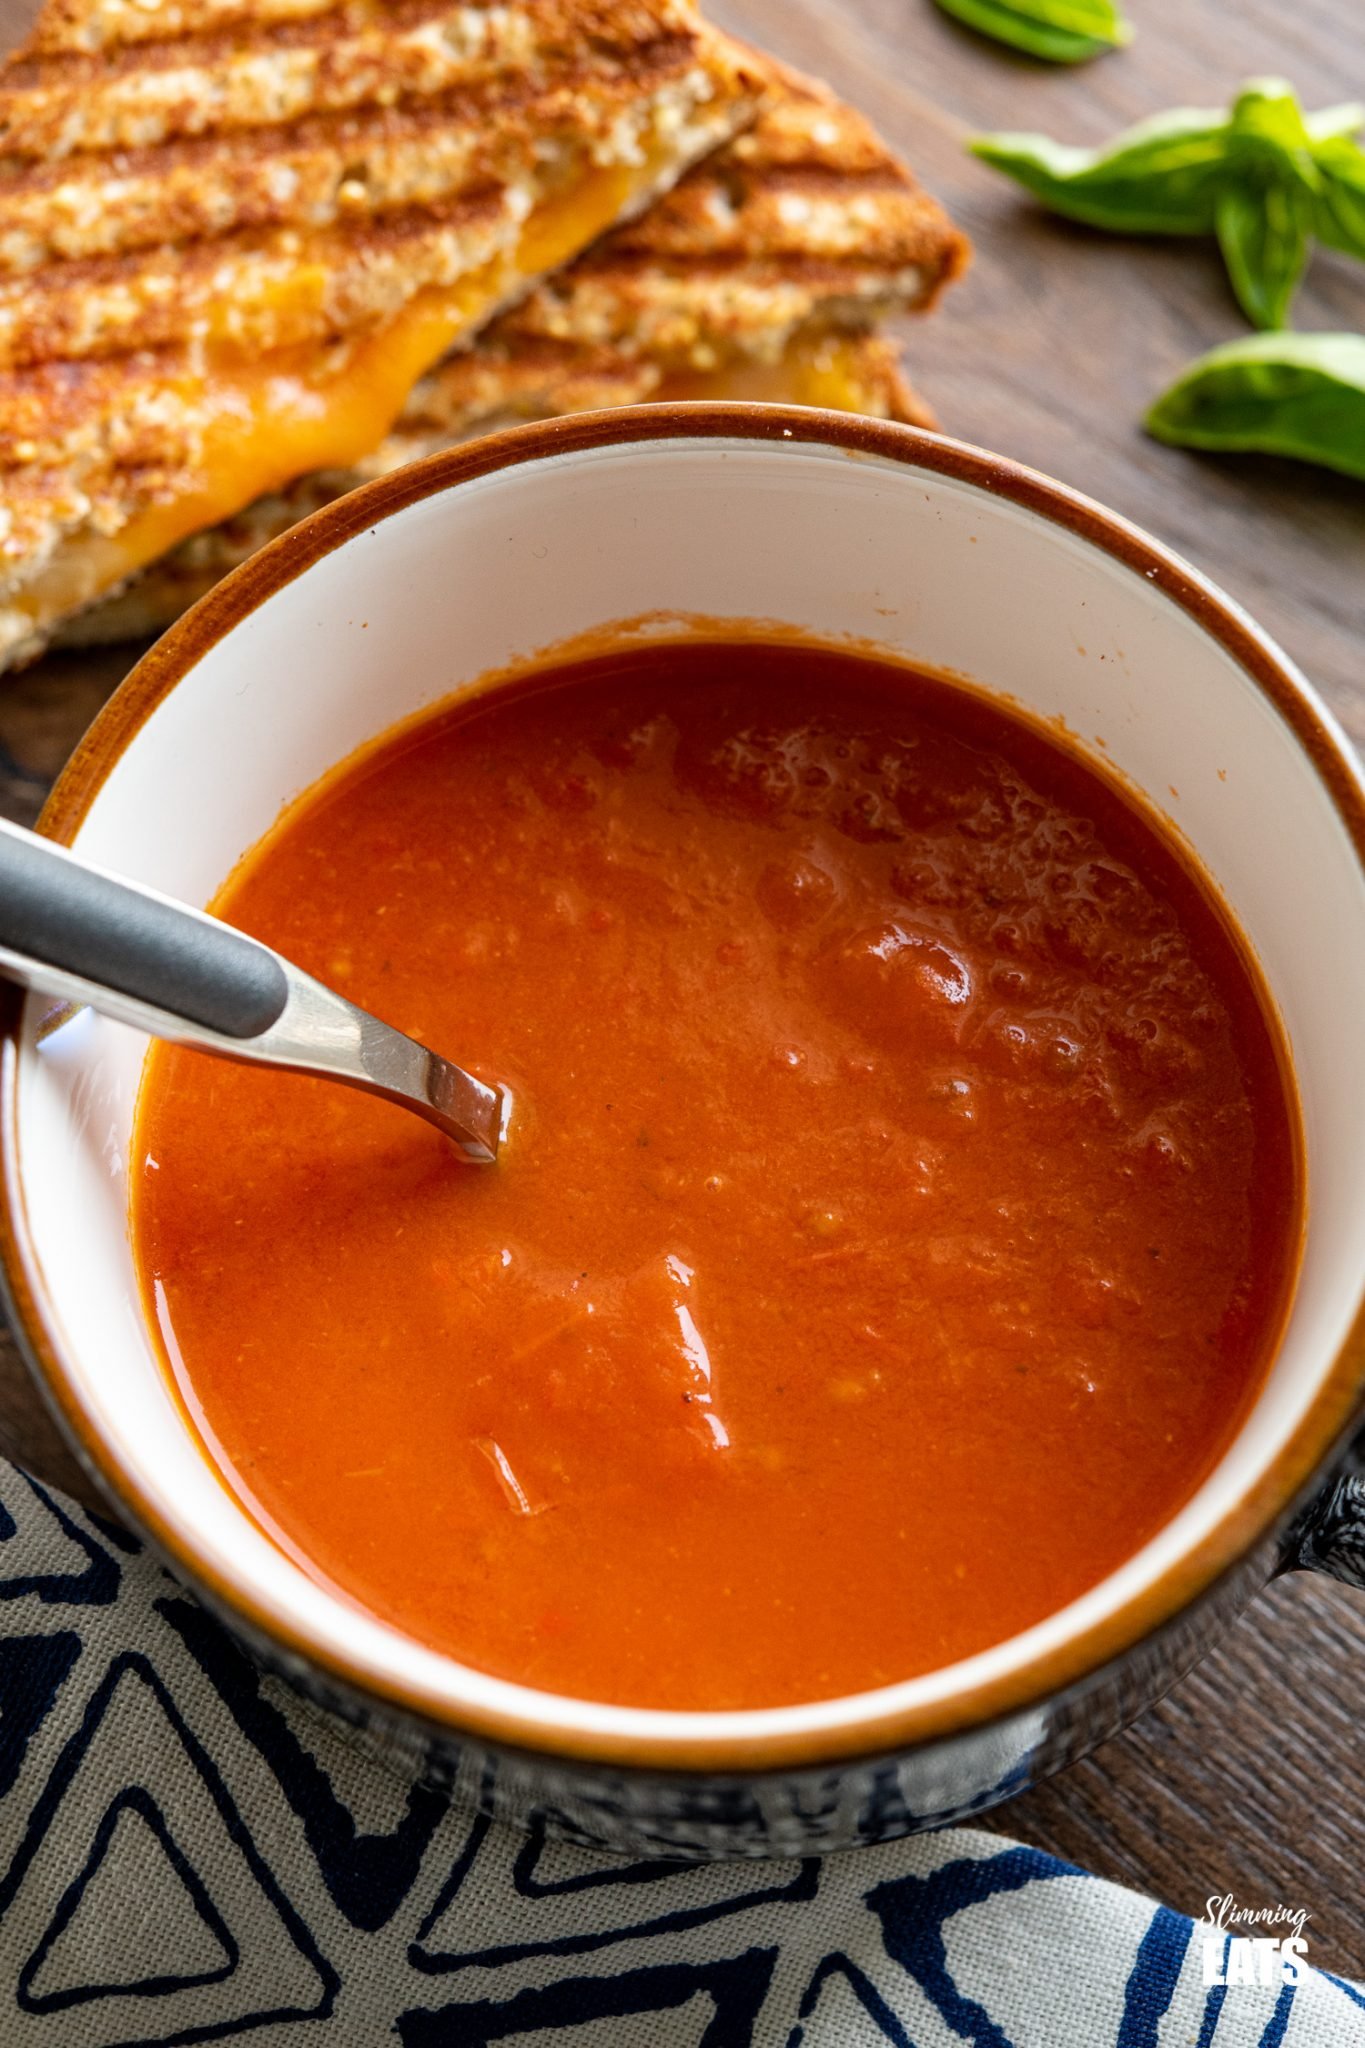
{"points": [[1213, 2004], [528, 1881], [1355, 1992], [1279, 2019], [94, 1586], [114, 1532], [530, 1884], [1152, 1980], [434, 1961], [134, 1800], [479, 1831], [913, 1911], [367, 1876], [736, 1987], [863, 1989], [32, 1669], [134, 1667]]}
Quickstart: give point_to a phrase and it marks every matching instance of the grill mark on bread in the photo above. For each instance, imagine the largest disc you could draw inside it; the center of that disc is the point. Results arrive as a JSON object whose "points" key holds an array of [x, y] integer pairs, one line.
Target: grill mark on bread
{"points": [[135, 251], [67, 26], [156, 95], [260, 294], [330, 170]]}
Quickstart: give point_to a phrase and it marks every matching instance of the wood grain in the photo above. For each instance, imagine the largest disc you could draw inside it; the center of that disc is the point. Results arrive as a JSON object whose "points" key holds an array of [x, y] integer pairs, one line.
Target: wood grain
{"points": [[1248, 1778]]}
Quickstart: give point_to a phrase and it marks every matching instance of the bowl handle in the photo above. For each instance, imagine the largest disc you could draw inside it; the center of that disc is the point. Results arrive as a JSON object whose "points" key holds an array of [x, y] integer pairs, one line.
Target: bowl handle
{"points": [[1329, 1536]]}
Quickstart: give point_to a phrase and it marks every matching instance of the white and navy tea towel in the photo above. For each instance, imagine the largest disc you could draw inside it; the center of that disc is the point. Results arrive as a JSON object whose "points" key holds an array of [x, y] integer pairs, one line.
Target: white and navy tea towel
{"points": [[190, 1853]]}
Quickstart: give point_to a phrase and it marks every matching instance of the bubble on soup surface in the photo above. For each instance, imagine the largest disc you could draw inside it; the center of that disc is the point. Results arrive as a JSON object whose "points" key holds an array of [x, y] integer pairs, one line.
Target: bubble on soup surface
{"points": [[794, 892], [956, 1096], [891, 980]]}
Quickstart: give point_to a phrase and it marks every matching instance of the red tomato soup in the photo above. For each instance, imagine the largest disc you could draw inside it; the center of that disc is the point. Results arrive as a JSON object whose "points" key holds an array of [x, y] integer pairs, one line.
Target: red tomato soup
{"points": [[900, 1208]]}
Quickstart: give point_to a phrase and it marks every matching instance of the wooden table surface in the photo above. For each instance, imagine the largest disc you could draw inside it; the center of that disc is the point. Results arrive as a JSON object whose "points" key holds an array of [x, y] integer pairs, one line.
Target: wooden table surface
{"points": [[1248, 1778]]}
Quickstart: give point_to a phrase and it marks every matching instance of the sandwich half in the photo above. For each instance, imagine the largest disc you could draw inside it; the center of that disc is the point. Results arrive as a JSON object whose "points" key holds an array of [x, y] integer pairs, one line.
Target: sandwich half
{"points": [[762, 275], [235, 233]]}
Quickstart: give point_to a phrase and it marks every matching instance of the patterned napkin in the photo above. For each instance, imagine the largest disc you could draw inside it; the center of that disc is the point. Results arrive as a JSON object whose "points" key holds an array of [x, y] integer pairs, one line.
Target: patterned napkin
{"points": [[191, 1853]]}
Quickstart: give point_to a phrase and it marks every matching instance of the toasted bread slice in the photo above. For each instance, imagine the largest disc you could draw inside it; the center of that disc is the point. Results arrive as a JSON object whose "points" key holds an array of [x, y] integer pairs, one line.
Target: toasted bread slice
{"points": [[759, 277], [228, 252]]}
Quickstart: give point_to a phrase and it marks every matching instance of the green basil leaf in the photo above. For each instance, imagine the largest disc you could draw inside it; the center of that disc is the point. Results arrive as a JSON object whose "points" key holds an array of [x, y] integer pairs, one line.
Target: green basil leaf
{"points": [[1266, 207], [1064, 31], [1263, 233], [1158, 178], [1266, 179], [1280, 394], [1339, 213], [1267, 111]]}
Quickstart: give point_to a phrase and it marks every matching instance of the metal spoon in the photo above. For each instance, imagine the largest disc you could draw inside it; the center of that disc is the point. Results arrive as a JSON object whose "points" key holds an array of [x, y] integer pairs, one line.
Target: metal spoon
{"points": [[76, 932]]}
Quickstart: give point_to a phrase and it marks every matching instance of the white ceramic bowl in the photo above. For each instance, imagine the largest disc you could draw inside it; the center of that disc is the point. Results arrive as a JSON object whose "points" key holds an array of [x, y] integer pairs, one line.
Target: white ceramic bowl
{"points": [[413, 588]]}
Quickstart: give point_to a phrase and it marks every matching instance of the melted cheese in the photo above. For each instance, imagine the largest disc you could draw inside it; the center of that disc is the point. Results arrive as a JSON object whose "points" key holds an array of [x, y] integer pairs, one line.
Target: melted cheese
{"points": [[825, 370], [293, 412]]}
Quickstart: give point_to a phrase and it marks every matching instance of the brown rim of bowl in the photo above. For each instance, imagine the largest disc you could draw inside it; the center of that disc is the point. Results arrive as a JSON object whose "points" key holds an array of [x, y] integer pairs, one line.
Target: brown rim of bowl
{"points": [[1254, 1518]]}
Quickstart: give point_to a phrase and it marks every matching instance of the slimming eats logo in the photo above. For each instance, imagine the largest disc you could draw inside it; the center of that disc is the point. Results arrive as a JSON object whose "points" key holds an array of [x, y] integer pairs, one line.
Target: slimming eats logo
{"points": [[1254, 1944]]}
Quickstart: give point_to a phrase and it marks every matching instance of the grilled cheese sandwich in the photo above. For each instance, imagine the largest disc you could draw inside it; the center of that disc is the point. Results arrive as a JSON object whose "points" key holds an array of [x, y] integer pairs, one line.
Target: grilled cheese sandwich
{"points": [[760, 276], [227, 257]]}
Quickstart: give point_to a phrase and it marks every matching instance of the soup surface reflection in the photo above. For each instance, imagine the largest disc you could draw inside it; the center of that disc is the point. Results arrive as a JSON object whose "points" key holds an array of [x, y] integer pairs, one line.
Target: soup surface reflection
{"points": [[899, 1210]]}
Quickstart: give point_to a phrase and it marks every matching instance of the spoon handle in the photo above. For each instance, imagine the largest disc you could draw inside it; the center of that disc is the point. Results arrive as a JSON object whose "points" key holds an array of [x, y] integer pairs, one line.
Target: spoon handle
{"points": [[57, 912], [85, 936]]}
